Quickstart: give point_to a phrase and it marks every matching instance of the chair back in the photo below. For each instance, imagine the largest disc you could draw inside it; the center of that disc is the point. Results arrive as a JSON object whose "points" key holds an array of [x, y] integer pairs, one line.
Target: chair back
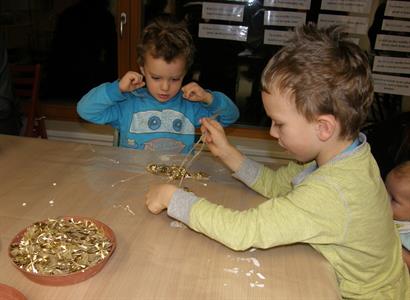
{"points": [[26, 85]]}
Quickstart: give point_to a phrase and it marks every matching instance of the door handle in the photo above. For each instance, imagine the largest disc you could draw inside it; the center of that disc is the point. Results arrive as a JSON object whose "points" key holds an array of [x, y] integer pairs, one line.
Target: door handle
{"points": [[123, 21]]}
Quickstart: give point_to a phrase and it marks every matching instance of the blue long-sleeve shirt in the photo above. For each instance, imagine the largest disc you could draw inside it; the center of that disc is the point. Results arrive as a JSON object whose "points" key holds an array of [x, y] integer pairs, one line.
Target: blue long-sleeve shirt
{"points": [[145, 123]]}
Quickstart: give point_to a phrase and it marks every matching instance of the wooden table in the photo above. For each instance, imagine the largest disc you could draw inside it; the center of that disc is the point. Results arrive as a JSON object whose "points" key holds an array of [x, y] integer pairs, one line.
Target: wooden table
{"points": [[156, 257]]}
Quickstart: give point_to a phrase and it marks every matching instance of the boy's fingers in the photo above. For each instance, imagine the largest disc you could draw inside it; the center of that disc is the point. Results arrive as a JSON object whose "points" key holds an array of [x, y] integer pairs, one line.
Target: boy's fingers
{"points": [[208, 139], [205, 124], [140, 84], [212, 125], [187, 93], [153, 207]]}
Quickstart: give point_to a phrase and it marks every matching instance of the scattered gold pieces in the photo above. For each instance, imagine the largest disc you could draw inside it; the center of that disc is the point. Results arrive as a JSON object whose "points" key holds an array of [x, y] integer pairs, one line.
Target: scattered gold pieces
{"points": [[60, 246], [174, 172]]}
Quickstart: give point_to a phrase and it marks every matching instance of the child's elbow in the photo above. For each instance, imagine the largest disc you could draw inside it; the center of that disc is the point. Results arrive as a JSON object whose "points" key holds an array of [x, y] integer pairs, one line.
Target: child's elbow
{"points": [[81, 110], [232, 118], [236, 115]]}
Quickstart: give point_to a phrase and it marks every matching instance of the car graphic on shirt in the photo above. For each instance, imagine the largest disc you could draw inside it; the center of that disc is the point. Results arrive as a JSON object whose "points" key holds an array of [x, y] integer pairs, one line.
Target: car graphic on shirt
{"points": [[166, 121]]}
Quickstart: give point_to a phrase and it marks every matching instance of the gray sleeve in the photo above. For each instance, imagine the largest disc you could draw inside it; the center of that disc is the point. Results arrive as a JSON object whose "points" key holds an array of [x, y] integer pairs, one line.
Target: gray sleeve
{"points": [[180, 205], [249, 171]]}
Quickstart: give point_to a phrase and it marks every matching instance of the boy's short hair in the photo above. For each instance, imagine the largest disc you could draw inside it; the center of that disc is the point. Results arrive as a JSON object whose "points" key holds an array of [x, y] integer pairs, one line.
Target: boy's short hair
{"points": [[326, 73], [167, 38]]}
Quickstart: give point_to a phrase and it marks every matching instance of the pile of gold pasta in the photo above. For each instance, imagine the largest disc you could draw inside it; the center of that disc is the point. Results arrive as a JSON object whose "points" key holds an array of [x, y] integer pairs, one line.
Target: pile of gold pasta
{"points": [[175, 172], [60, 246]]}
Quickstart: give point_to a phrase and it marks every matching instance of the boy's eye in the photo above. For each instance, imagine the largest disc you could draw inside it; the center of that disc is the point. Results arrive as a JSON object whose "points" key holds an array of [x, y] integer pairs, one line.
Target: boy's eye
{"points": [[176, 79], [155, 77]]}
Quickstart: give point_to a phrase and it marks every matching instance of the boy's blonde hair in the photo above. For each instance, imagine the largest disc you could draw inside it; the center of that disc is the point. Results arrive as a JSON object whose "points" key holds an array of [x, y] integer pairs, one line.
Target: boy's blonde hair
{"points": [[326, 74], [166, 38]]}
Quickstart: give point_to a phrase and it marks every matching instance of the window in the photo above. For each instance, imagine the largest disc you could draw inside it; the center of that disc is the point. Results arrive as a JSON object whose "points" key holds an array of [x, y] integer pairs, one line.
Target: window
{"points": [[78, 55]]}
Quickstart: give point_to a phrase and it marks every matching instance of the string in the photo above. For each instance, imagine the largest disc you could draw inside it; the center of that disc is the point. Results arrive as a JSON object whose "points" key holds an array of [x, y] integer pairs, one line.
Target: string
{"points": [[201, 139], [193, 158]]}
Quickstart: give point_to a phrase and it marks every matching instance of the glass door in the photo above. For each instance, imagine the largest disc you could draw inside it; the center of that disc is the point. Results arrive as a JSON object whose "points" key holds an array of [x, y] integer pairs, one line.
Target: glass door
{"points": [[128, 20]]}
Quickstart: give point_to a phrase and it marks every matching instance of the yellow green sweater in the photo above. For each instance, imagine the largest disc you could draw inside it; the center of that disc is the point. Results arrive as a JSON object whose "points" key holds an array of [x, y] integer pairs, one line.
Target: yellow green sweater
{"points": [[341, 209]]}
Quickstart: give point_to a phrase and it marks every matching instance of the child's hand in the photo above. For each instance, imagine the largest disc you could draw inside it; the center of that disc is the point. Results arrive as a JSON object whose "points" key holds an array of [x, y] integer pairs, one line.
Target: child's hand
{"points": [[214, 136], [218, 144], [157, 198], [193, 92], [131, 81]]}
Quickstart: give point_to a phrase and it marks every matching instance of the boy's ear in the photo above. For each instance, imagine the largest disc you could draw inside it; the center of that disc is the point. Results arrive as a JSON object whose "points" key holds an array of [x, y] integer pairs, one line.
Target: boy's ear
{"points": [[142, 71], [326, 127]]}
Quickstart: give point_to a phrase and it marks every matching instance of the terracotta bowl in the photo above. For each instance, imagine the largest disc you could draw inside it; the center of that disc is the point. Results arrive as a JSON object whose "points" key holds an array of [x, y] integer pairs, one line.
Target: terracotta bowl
{"points": [[10, 293], [71, 278]]}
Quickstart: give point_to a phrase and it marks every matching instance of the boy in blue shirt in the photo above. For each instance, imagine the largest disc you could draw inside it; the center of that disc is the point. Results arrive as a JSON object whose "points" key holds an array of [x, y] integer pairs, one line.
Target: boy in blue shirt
{"points": [[150, 109]]}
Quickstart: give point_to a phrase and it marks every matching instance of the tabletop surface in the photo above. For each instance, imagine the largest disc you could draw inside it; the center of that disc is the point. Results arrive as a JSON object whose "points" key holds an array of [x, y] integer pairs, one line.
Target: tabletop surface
{"points": [[156, 257]]}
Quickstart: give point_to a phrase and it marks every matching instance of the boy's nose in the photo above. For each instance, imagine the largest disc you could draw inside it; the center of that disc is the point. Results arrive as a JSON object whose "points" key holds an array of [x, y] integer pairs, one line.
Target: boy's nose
{"points": [[164, 85]]}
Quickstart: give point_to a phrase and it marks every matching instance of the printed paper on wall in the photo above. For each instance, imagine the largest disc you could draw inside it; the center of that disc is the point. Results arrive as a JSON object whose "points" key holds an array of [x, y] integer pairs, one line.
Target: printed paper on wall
{"points": [[392, 43], [224, 32], [354, 40], [357, 25], [387, 64], [284, 18], [356, 6], [396, 25], [221, 11], [296, 4], [400, 9], [276, 37], [388, 84]]}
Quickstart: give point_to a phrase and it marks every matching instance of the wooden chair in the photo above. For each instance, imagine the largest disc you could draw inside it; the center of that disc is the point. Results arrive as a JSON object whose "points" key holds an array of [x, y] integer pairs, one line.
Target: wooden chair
{"points": [[26, 85]]}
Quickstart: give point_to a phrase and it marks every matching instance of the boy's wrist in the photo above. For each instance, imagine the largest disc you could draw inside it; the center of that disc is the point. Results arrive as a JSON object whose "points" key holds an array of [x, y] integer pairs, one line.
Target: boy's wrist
{"points": [[113, 91], [180, 205], [208, 98], [232, 158], [168, 193]]}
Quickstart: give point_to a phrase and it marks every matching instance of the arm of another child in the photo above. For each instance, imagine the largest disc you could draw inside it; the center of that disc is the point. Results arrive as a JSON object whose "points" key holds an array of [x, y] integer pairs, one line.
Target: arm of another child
{"points": [[159, 196]]}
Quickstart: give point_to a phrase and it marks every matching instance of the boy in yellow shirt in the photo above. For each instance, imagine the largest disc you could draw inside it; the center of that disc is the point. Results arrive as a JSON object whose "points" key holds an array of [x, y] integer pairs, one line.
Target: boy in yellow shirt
{"points": [[317, 90]]}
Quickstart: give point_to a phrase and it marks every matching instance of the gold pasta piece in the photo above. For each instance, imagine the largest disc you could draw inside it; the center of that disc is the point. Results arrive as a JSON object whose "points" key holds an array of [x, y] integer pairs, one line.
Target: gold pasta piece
{"points": [[174, 172]]}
